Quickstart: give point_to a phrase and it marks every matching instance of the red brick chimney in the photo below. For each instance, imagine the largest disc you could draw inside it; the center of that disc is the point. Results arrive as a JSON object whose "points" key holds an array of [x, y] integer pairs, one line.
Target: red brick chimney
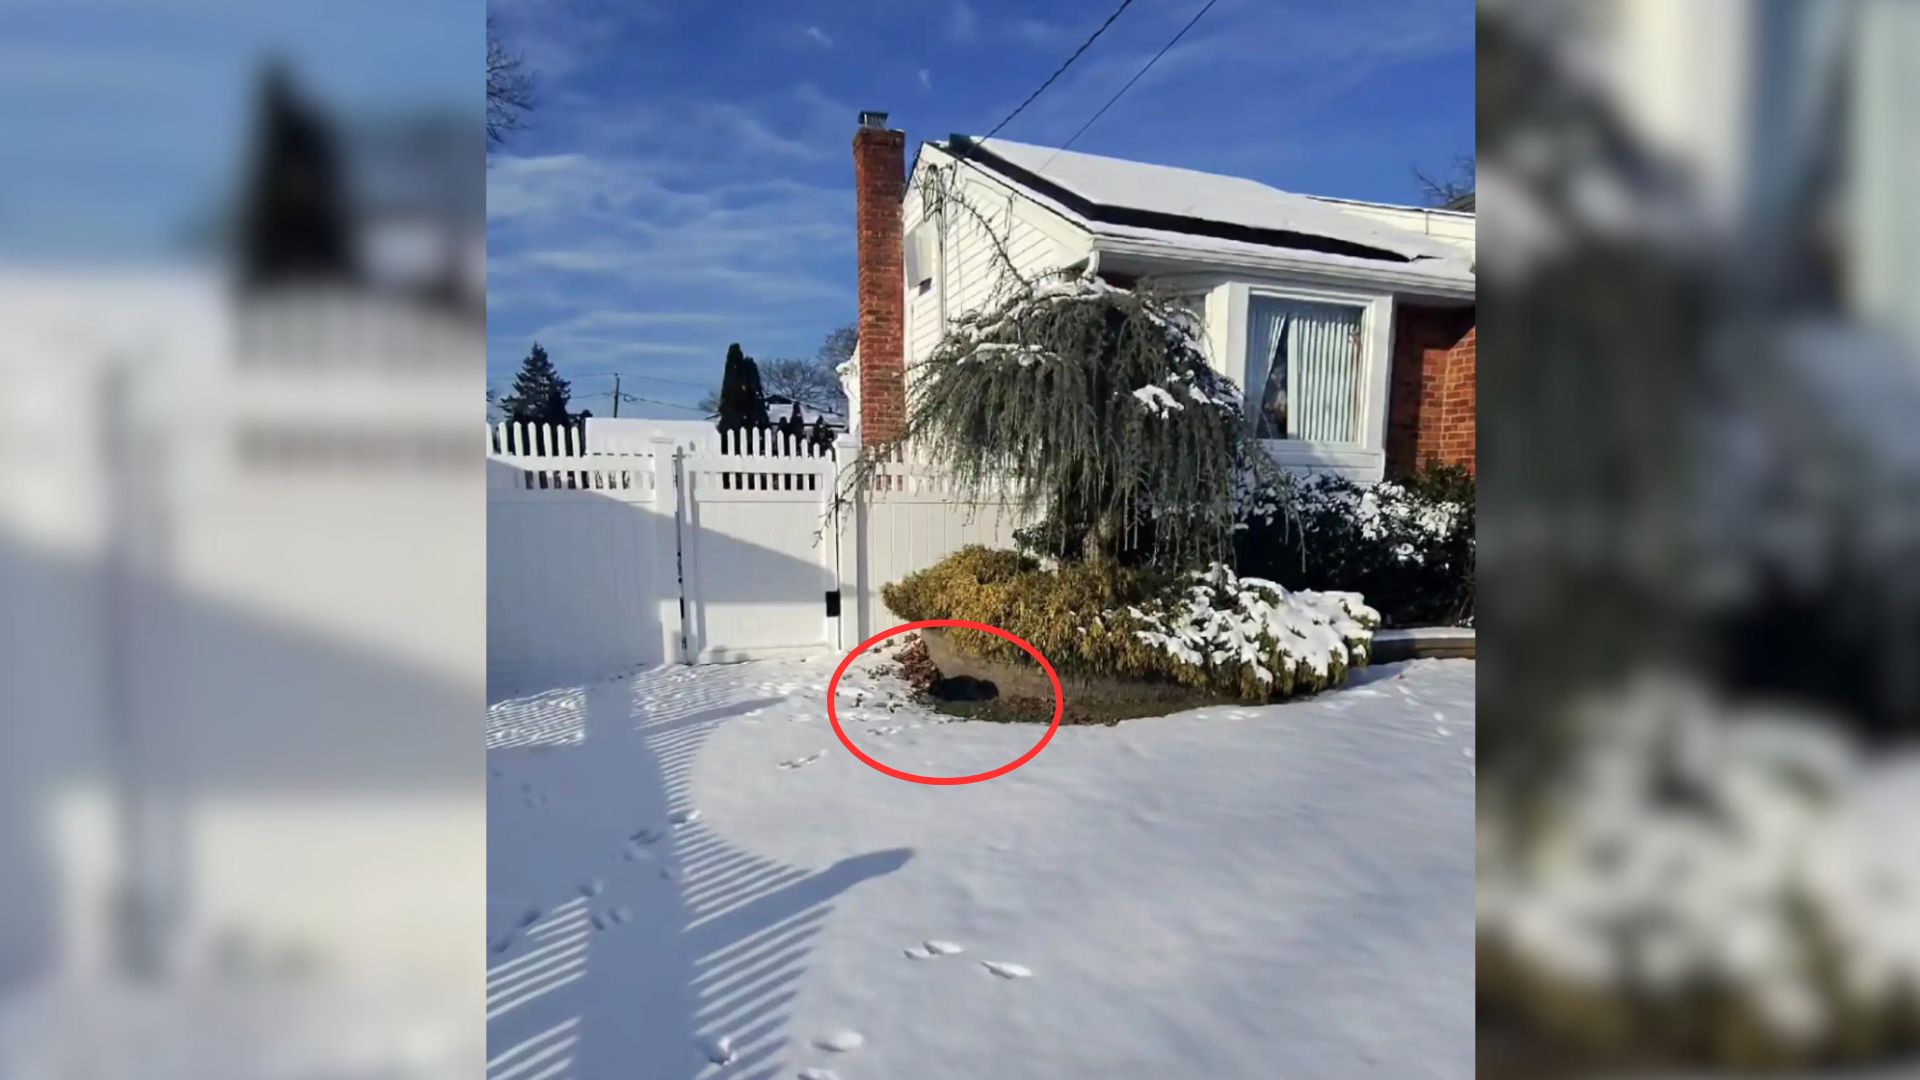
{"points": [[879, 162]]}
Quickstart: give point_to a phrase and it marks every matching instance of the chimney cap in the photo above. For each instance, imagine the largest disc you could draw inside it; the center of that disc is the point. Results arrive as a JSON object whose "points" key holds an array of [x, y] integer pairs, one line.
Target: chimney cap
{"points": [[870, 118]]}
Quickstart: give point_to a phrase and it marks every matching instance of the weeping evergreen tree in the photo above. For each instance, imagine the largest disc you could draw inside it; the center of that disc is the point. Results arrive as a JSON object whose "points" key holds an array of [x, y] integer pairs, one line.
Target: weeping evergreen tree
{"points": [[1099, 403]]}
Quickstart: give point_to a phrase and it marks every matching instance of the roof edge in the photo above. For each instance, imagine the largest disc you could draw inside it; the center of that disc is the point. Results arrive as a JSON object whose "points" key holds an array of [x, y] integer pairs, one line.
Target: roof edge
{"points": [[965, 148]]}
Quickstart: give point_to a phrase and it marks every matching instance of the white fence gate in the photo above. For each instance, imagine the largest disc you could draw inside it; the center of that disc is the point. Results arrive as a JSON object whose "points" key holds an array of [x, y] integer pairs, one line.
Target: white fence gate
{"points": [[717, 551], [759, 551]]}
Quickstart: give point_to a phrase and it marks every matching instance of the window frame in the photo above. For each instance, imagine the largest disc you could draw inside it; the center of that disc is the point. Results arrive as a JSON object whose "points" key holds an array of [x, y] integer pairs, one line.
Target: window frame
{"points": [[1361, 371], [1363, 460]]}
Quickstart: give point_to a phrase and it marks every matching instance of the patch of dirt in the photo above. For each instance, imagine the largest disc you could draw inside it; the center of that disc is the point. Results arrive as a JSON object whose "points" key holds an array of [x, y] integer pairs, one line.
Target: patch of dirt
{"points": [[971, 698]]}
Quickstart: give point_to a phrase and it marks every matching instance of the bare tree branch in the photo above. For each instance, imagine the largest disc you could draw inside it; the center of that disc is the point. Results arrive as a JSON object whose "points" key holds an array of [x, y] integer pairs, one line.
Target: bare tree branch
{"points": [[1439, 191], [812, 383], [509, 89]]}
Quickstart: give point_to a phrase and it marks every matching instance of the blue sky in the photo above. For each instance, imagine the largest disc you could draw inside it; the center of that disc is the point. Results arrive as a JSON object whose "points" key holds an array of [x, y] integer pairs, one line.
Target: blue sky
{"points": [[126, 120], [686, 180]]}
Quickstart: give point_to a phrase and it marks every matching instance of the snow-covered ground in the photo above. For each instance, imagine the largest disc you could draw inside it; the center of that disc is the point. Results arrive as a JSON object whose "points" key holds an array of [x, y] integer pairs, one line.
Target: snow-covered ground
{"points": [[688, 877]]}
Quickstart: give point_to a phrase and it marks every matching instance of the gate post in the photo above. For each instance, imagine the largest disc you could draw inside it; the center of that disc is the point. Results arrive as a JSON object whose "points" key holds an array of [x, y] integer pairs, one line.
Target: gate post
{"points": [[671, 607], [851, 533]]}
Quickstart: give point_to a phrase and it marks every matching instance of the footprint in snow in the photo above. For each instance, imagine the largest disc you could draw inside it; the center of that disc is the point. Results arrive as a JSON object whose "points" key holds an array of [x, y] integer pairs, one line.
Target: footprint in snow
{"points": [[1006, 970], [819, 1074], [943, 948], [890, 729], [685, 817], [719, 1051], [841, 1041], [621, 913], [917, 952], [802, 762], [592, 888], [1442, 731], [529, 917], [1467, 750], [646, 836]]}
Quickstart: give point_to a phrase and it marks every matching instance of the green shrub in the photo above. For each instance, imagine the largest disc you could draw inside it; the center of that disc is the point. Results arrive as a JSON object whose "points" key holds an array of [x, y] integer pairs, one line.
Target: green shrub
{"points": [[1212, 631], [1406, 545]]}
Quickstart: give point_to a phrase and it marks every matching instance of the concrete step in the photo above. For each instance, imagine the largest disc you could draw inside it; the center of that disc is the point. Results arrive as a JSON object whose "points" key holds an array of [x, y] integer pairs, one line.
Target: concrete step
{"points": [[1417, 642]]}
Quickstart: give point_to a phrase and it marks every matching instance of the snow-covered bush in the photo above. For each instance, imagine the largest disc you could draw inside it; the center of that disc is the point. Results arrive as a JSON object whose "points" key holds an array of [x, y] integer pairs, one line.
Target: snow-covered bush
{"points": [[1244, 638], [1256, 636], [1706, 887], [1407, 545]]}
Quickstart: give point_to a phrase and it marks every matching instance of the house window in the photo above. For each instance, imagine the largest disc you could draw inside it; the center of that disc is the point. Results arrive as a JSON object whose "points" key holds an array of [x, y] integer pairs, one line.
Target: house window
{"points": [[918, 254], [1304, 363]]}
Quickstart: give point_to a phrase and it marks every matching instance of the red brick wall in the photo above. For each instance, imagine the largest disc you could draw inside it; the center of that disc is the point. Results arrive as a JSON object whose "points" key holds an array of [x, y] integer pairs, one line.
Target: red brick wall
{"points": [[1430, 404], [1450, 438], [879, 161]]}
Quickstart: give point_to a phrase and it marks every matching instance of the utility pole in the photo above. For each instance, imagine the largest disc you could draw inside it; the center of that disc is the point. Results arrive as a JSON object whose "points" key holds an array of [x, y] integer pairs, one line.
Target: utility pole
{"points": [[616, 394]]}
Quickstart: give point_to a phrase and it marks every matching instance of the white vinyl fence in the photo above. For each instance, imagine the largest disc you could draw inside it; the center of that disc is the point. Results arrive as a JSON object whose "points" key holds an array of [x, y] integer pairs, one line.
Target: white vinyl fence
{"points": [[699, 550]]}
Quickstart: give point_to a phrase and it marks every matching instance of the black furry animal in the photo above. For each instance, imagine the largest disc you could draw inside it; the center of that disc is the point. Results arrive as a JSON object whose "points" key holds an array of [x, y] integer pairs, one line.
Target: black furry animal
{"points": [[965, 688]]}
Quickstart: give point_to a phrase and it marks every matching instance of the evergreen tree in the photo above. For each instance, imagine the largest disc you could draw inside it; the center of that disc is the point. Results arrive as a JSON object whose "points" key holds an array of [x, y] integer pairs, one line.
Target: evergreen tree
{"points": [[743, 404], [540, 395], [794, 425], [821, 435]]}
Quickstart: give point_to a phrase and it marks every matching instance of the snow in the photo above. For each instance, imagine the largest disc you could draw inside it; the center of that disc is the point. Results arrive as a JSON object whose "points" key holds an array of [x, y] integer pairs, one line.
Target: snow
{"points": [[1229, 892], [1227, 619], [1156, 400], [1730, 846], [1113, 182]]}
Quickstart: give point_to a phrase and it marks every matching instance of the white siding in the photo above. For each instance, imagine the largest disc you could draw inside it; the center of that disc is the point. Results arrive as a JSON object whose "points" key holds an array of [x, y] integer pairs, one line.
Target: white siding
{"points": [[1039, 241], [970, 272]]}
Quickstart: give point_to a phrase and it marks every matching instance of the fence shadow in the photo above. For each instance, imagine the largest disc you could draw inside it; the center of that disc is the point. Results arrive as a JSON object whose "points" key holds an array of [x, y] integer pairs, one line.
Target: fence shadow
{"points": [[692, 939]]}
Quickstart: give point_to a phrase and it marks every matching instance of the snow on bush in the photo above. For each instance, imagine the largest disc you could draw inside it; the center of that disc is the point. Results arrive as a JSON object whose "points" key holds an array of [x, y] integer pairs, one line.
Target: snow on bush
{"points": [[1384, 511], [1697, 871], [1250, 630], [1245, 638], [1407, 545]]}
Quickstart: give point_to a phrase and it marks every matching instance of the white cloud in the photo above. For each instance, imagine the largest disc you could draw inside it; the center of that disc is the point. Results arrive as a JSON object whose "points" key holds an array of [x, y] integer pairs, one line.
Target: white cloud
{"points": [[818, 37], [926, 79], [962, 25], [1034, 31]]}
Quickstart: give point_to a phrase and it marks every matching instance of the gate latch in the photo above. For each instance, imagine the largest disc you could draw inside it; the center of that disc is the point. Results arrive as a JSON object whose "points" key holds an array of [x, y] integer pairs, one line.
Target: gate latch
{"points": [[833, 604]]}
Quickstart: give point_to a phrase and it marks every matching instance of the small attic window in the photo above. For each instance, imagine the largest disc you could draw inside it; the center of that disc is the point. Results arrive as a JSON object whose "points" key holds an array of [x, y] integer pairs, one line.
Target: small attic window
{"points": [[918, 256]]}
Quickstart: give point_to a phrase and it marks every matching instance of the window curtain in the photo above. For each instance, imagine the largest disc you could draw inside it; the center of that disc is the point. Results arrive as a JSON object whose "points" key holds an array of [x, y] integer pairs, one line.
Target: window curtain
{"points": [[1303, 370]]}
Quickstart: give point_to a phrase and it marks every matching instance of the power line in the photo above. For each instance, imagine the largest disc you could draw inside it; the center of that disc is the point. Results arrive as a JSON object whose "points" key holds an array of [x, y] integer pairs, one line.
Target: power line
{"points": [[1130, 82], [1063, 67], [672, 405], [645, 378]]}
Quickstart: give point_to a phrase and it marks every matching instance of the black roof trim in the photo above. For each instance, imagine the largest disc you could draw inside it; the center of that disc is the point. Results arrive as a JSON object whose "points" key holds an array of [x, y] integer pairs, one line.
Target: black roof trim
{"points": [[966, 149]]}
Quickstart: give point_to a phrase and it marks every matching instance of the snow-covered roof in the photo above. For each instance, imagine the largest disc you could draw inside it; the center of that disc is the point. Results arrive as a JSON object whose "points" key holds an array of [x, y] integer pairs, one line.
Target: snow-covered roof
{"points": [[1132, 195]]}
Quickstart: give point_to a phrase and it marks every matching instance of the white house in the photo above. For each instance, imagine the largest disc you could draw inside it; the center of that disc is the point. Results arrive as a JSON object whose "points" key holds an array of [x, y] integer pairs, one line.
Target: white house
{"points": [[1377, 301]]}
